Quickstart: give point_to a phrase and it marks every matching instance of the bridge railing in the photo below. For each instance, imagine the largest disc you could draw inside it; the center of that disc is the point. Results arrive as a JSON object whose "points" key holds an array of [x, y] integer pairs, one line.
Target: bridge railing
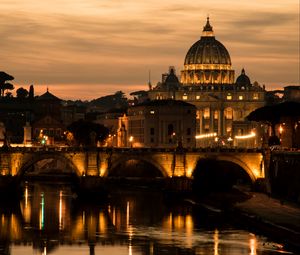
{"points": [[66, 149]]}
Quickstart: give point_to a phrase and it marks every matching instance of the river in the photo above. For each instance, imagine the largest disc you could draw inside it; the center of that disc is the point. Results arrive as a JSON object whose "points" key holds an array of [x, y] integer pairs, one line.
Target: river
{"points": [[50, 219]]}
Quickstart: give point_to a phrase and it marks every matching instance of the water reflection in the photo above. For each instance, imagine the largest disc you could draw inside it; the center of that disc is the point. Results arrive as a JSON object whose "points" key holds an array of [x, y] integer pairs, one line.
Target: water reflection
{"points": [[49, 220]]}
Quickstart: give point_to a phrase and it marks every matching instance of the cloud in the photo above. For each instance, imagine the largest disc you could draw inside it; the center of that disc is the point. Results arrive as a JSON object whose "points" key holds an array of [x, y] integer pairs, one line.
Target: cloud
{"points": [[69, 42]]}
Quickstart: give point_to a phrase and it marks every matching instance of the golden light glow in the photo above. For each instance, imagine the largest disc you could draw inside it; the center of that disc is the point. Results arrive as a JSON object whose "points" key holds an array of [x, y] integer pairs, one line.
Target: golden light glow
{"points": [[228, 113], [60, 217], [189, 226], [209, 135], [280, 129], [216, 242], [42, 212], [16, 230], [26, 196], [103, 168], [251, 135], [44, 251], [189, 171], [194, 67], [253, 245], [206, 113], [102, 222], [127, 213], [26, 208], [129, 249], [114, 216]]}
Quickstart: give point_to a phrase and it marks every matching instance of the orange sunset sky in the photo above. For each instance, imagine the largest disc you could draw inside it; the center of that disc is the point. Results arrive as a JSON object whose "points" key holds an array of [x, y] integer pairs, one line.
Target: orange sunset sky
{"points": [[84, 49]]}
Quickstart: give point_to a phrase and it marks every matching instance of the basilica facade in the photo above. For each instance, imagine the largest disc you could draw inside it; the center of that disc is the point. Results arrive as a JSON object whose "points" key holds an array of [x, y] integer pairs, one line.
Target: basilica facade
{"points": [[222, 102]]}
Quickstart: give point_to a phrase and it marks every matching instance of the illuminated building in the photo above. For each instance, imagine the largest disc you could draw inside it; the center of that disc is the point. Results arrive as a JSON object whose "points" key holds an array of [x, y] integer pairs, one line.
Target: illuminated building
{"points": [[160, 123], [208, 82]]}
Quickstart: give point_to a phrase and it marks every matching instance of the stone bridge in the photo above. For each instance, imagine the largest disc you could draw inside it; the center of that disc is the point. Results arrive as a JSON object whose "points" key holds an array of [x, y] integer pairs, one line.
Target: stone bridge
{"points": [[101, 162]]}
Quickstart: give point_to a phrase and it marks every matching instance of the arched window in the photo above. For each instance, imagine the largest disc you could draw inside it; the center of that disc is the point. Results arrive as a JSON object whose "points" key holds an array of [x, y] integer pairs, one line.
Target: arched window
{"points": [[206, 113], [228, 112]]}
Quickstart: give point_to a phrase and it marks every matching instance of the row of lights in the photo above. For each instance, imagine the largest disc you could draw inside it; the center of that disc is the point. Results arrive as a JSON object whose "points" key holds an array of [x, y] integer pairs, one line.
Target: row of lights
{"points": [[210, 135]]}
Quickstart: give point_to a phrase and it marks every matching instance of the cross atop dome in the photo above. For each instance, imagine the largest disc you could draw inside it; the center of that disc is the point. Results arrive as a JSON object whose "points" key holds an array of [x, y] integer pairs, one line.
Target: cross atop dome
{"points": [[207, 29]]}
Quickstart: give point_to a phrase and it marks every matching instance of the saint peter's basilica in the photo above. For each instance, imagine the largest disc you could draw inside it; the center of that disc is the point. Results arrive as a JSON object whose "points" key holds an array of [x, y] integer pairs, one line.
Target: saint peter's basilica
{"points": [[208, 82]]}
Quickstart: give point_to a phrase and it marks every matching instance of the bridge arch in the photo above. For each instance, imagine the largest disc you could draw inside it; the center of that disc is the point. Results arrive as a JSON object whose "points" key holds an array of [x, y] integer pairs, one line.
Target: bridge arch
{"points": [[229, 158], [221, 172], [31, 159], [151, 162], [239, 162]]}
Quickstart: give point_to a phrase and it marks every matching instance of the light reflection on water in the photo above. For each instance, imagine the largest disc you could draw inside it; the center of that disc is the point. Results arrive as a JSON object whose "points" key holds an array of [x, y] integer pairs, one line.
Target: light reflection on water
{"points": [[49, 220]]}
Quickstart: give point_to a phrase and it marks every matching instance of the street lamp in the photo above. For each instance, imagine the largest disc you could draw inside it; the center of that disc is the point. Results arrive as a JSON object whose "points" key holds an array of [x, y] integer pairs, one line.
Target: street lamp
{"points": [[131, 140], [280, 132], [173, 137]]}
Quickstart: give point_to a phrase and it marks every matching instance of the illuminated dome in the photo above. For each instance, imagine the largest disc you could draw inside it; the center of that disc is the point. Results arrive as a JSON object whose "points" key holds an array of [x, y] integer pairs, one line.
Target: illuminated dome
{"points": [[207, 61]]}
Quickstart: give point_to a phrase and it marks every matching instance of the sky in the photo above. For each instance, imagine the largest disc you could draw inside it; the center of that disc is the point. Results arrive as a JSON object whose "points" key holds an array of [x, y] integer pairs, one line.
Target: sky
{"points": [[84, 49]]}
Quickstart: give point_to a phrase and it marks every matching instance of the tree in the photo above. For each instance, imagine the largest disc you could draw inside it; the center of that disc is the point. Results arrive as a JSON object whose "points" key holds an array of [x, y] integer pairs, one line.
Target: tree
{"points": [[4, 85], [272, 115], [22, 93], [87, 133], [265, 114], [8, 94]]}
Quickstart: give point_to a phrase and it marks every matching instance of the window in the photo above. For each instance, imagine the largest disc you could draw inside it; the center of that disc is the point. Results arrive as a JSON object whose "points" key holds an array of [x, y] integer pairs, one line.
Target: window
{"points": [[197, 97], [206, 113], [216, 115], [241, 97], [151, 140], [240, 131], [188, 131], [188, 140], [184, 97], [151, 131], [255, 96], [228, 113], [229, 96]]}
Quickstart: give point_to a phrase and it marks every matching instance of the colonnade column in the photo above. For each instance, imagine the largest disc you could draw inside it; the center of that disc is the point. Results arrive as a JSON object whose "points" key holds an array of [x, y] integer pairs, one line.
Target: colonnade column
{"points": [[200, 112], [211, 115], [221, 123], [224, 123]]}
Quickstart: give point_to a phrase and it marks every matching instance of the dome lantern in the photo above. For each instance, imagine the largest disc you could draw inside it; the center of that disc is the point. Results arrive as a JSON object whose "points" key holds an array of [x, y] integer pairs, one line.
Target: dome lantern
{"points": [[208, 30]]}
